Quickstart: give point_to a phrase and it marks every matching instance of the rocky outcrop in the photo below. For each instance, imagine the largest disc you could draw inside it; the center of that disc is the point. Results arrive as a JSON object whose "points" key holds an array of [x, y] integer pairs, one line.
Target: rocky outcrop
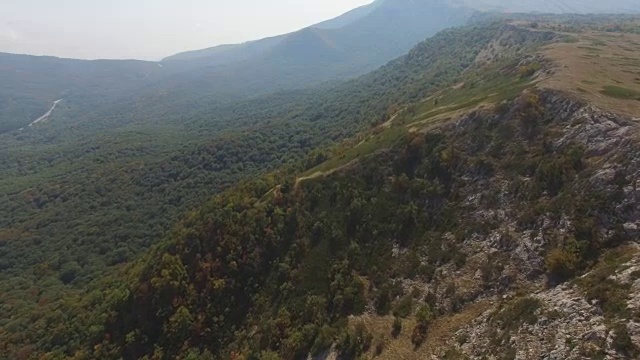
{"points": [[566, 326], [507, 264]]}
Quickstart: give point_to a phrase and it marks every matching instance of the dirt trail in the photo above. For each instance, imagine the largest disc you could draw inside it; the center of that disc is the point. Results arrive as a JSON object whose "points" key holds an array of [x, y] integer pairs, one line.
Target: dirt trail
{"points": [[47, 114], [318, 174]]}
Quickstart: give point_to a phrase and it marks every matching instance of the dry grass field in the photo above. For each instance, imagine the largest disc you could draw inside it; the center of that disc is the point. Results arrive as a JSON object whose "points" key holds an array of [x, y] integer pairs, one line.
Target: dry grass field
{"points": [[441, 332], [602, 67]]}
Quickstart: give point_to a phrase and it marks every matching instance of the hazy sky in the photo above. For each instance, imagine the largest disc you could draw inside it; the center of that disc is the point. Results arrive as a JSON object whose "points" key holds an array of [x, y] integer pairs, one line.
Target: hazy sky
{"points": [[150, 29]]}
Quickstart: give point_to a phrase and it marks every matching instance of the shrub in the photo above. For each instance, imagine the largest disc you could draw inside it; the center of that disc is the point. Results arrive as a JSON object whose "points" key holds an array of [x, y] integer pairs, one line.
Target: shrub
{"points": [[404, 307], [423, 317], [462, 339], [622, 342], [522, 311], [269, 355], [355, 342], [528, 70], [383, 301], [396, 328], [562, 264], [611, 296]]}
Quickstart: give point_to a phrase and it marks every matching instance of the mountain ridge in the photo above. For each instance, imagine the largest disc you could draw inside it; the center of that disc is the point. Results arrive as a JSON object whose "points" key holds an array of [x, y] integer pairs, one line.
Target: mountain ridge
{"points": [[301, 59], [380, 32]]}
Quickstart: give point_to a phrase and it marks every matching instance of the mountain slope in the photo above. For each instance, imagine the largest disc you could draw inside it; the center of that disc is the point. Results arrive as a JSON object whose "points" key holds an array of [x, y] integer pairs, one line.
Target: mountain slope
{"points": [[313, 55], [240, 52], [292, 231], [157, 173], [459, 216], [349, 17], [224, 54], [406, 22]]}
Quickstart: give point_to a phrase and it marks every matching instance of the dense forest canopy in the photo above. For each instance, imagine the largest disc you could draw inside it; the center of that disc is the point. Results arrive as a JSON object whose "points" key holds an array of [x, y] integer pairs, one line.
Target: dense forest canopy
{"points": [[74, 209]]}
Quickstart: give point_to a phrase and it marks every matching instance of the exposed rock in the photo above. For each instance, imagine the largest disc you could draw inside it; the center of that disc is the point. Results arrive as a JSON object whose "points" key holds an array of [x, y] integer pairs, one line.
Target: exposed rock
{"points": [[567, 325]]}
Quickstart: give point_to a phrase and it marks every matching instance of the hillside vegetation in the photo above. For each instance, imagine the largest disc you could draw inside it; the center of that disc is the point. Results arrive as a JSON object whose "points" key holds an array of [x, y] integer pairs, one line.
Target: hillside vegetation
{"points": [[490, 188], [74, 209], [431, 207]]}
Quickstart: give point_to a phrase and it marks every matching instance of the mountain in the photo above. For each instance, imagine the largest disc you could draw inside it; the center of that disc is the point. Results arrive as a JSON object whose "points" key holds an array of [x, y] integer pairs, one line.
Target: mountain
{"points": [[355, 34], [224, 54], [350, 17], [78, 207], [342, 48], [222, 74], [491, 216], [472, 175], [473, 197], [316, 54], [238, 52]]}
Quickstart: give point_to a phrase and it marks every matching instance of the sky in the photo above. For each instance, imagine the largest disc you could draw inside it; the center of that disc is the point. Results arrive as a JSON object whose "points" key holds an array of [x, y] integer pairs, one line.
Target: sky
{"points": [[150, 29]]}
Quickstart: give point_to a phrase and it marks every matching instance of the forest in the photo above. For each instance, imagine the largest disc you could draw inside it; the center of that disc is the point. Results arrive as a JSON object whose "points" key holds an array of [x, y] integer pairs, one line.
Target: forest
{"points": [[206, 235], [305, 257], [126, 188]]}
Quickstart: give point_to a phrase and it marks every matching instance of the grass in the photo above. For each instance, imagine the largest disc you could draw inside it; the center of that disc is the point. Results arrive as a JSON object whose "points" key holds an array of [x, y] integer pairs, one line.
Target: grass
{"points": [[490, 89], [594, 62], [620, 92], [487, 86], [386, 139], [589, 48], [569, 39], [522, 311], [440, 332], [595, 41]]}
